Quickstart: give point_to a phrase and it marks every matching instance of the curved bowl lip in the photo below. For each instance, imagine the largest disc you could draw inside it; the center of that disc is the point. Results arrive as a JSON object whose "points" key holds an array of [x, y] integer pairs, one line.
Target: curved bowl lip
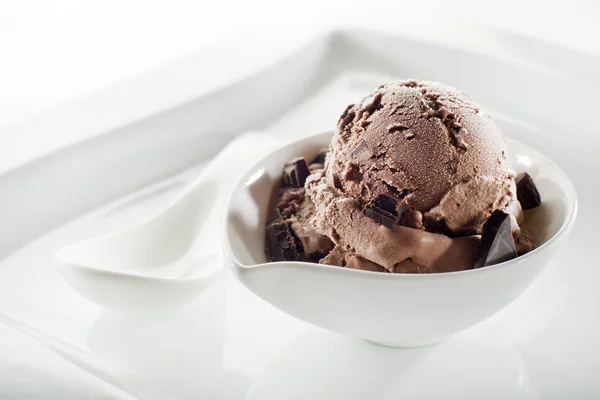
{"points": [[62, 262], [564, 230]]}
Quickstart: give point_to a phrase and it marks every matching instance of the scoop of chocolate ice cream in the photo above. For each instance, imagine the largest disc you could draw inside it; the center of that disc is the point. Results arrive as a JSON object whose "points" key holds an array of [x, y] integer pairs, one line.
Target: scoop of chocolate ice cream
{"points": [[412, 174], [430, 145]]}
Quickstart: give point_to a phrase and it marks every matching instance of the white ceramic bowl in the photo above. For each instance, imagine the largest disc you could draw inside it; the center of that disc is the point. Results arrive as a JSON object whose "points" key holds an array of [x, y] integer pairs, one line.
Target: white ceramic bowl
{"points": [[390, 309]]}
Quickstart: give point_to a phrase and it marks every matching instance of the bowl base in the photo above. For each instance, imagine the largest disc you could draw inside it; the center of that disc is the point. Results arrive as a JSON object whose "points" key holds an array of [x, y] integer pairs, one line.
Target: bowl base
{"points": [[408, 345]]}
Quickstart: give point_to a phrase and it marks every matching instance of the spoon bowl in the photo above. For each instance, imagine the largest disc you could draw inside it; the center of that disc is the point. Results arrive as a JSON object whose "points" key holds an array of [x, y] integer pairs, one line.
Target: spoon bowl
{"points": [[161, 262], [391, 309], [172, 257]]}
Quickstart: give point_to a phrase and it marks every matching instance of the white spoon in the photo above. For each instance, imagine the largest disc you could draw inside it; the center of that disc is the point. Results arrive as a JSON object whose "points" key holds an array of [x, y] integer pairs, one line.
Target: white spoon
{"points": [[172, 257], [391, 309]]}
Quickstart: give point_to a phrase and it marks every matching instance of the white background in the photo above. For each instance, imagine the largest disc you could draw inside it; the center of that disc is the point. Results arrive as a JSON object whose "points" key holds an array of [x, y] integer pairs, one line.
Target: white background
{"points": [[52, 51]]}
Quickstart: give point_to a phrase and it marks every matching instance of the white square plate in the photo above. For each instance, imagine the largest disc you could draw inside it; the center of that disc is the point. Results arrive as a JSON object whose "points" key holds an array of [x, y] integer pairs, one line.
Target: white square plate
{"points": [[229, 344]]}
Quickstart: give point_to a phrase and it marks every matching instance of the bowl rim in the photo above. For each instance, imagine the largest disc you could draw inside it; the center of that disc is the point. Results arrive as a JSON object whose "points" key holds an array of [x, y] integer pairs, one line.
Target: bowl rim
{"points": [[563, 231], [64, 265]]}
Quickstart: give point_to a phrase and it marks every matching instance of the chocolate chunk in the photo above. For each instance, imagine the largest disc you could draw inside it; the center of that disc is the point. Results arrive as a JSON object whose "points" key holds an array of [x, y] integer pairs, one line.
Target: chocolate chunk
{"points": [[320, 157], [385, 210], [437, 226], [295, 172], [497, 243], [527, 193], [281, 244]]}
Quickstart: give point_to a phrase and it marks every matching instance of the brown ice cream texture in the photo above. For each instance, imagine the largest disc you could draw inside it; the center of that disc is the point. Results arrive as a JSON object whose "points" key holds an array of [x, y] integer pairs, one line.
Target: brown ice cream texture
{"points": [[430, 146]]}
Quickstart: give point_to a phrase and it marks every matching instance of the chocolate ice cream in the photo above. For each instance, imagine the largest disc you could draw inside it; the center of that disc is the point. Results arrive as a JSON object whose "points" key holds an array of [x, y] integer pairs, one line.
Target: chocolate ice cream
{"points": [[413, 173]]}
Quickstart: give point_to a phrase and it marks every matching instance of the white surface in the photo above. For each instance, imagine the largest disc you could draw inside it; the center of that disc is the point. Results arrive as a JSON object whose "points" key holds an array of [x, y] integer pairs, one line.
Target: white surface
{"points": [[244, 348], [146, 98], [175, 253], [228, 344], [54, 377], [54, 308], [57, 50], [34, 365], [126, 137], [187, 82], [166, 254]]}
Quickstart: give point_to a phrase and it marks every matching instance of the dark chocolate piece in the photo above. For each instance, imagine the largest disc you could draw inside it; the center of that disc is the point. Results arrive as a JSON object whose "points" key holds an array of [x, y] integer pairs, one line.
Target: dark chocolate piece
{"points": [[295, 172], [497, 243], [320, 157], [281, 244], [527, 193], [385, 210], [437, 226]]}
